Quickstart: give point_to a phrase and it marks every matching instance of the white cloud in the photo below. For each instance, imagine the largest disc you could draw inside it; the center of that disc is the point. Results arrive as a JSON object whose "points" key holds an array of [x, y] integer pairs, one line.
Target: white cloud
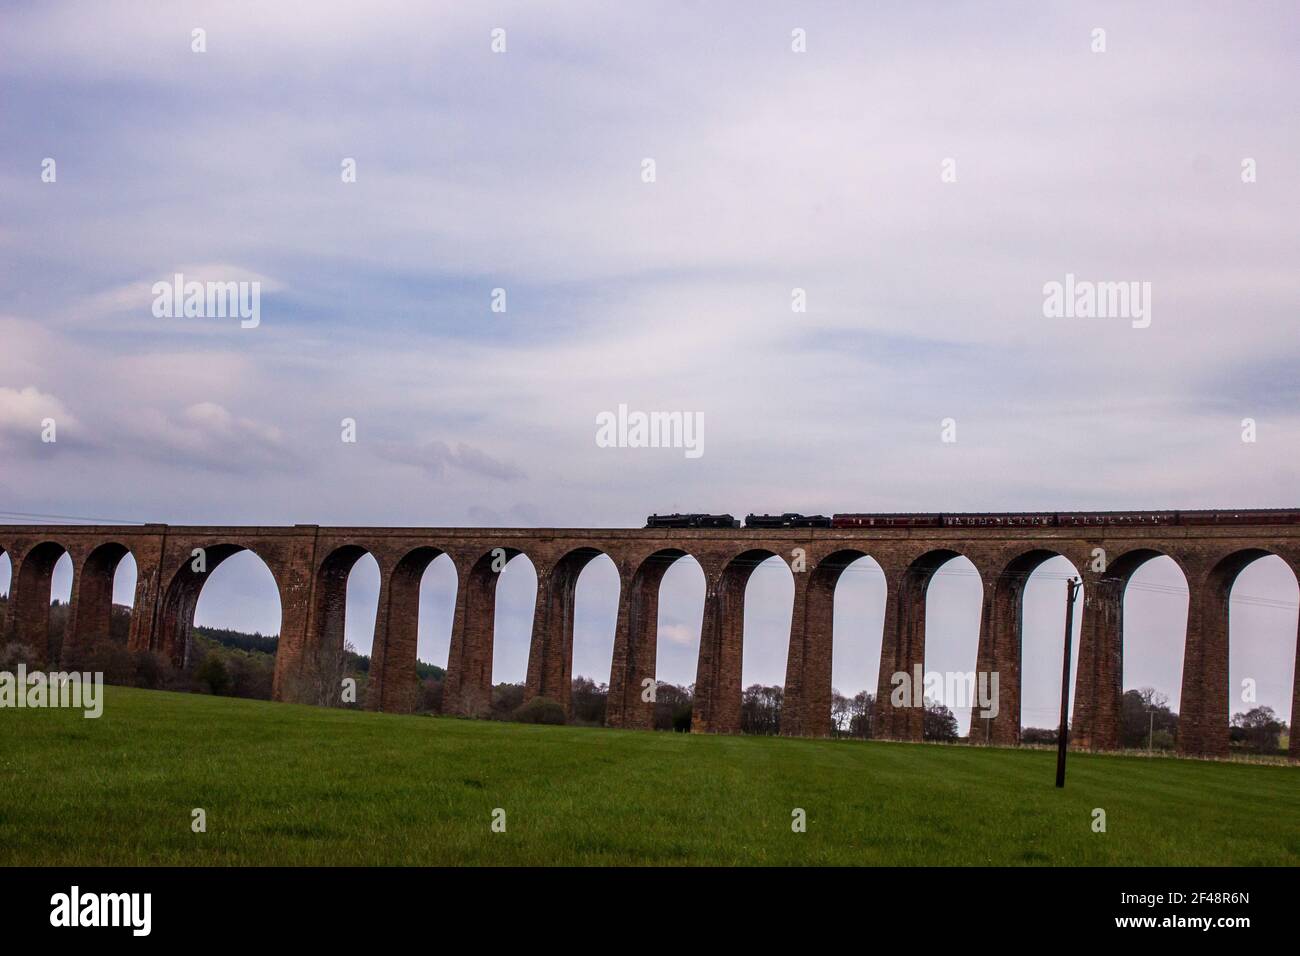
{"points": [[678, 634], [22, 412], [205, 435]]}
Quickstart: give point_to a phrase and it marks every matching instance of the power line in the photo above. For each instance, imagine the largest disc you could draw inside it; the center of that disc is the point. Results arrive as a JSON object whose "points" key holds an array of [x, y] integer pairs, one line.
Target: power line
{"points": [[1169, 589], [82, 518]]}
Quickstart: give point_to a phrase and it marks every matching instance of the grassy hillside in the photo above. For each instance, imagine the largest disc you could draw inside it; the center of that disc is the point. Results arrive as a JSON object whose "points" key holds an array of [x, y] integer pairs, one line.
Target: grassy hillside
{"points": [[289, 785]]}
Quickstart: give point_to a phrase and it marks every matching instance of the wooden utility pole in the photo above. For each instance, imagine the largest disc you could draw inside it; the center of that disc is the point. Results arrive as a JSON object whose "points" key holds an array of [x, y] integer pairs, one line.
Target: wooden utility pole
{"points": [[1062, 737]]}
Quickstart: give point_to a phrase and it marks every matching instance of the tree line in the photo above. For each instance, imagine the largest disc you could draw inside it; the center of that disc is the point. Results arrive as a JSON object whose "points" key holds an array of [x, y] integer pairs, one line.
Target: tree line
{"points": [[233, 663]]}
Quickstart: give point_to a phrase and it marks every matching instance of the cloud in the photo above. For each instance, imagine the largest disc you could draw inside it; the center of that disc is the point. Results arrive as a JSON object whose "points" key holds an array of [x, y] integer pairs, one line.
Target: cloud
{"points": [[678, 634], [437, 458], [129, 306], [924, 298], [22, 411], [206, 435]]}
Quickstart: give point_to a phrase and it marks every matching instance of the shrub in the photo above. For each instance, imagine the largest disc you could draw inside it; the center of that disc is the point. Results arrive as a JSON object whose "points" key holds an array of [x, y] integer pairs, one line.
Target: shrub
{"points": [[212, 675], [152, 670], [682, 715], [541, 710]]}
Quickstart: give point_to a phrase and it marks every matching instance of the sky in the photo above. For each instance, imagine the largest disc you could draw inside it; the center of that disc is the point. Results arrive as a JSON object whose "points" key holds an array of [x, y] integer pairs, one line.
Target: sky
{"points": [[920, 172]]}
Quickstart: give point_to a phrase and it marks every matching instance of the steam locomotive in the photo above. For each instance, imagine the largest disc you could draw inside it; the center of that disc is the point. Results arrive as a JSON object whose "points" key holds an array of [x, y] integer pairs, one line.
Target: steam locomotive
{"points": [[1033, 519], [691, 521]]}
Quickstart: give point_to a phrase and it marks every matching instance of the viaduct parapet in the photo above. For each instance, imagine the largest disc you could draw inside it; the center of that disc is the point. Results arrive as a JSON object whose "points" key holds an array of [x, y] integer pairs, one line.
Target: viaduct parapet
{"points": [[311, 566]]}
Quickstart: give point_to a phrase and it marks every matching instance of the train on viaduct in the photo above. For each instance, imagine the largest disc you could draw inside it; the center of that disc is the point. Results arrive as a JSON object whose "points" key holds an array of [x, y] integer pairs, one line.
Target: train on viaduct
{"points": [[311, 566]]}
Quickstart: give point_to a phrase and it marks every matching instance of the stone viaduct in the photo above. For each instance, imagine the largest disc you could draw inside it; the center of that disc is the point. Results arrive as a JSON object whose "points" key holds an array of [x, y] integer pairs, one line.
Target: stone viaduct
{"points": [[311, 565]]}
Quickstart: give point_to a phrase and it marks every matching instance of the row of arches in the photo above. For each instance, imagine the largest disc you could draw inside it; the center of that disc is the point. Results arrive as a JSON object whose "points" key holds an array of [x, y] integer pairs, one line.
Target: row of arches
{"points": [[744, 639], [43, 617]]}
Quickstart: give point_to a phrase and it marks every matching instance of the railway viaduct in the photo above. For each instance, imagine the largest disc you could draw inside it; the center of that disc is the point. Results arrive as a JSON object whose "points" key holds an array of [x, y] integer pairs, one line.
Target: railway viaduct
{"points": [[311, 565]]}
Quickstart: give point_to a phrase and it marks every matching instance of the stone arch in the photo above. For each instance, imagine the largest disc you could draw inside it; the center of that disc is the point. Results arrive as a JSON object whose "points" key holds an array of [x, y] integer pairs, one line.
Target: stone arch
{"points": [[718, 676], [1259, 627], [6, 588], [903, 650], [550, 654], [1099, 681], [595, 624], [1002, 645], [1203, 709], [468, 687], [30, 593], [394, 683], [1041, 643], [321, 669], [173, 637], [809, 668], [91, 623], [634, 666]]}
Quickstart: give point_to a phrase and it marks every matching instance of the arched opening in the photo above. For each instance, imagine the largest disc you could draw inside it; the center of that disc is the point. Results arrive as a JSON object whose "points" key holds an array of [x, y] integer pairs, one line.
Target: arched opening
{"points": [[6, 577], [105, 598], [595, 617], [678, 591], [361, 606], [397, 683], [954, 599], [472, 658], [512, 632], [719, 695], [1264, 602], [857, 629], [1153, 639], [125, 579], [1042, 647], [39, 609], [765, 642], [433, 637], [340, 631], [221, 623], [356, 655], [61, 582]]}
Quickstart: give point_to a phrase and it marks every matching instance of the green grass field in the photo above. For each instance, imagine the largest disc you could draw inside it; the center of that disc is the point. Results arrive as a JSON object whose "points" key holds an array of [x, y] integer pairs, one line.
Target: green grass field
{"points": [[284, 784]]}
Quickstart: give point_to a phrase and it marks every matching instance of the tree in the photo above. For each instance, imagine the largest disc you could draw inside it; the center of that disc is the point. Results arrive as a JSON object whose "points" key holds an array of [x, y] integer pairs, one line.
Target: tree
{"points": [[506, 699], [1145, 715], [212, 674], [673, 707], [430, 701], [589, 700], [841, 713], [760, 709], [1038, 735], [939, 722], [1257, 729], [862, 715]]}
